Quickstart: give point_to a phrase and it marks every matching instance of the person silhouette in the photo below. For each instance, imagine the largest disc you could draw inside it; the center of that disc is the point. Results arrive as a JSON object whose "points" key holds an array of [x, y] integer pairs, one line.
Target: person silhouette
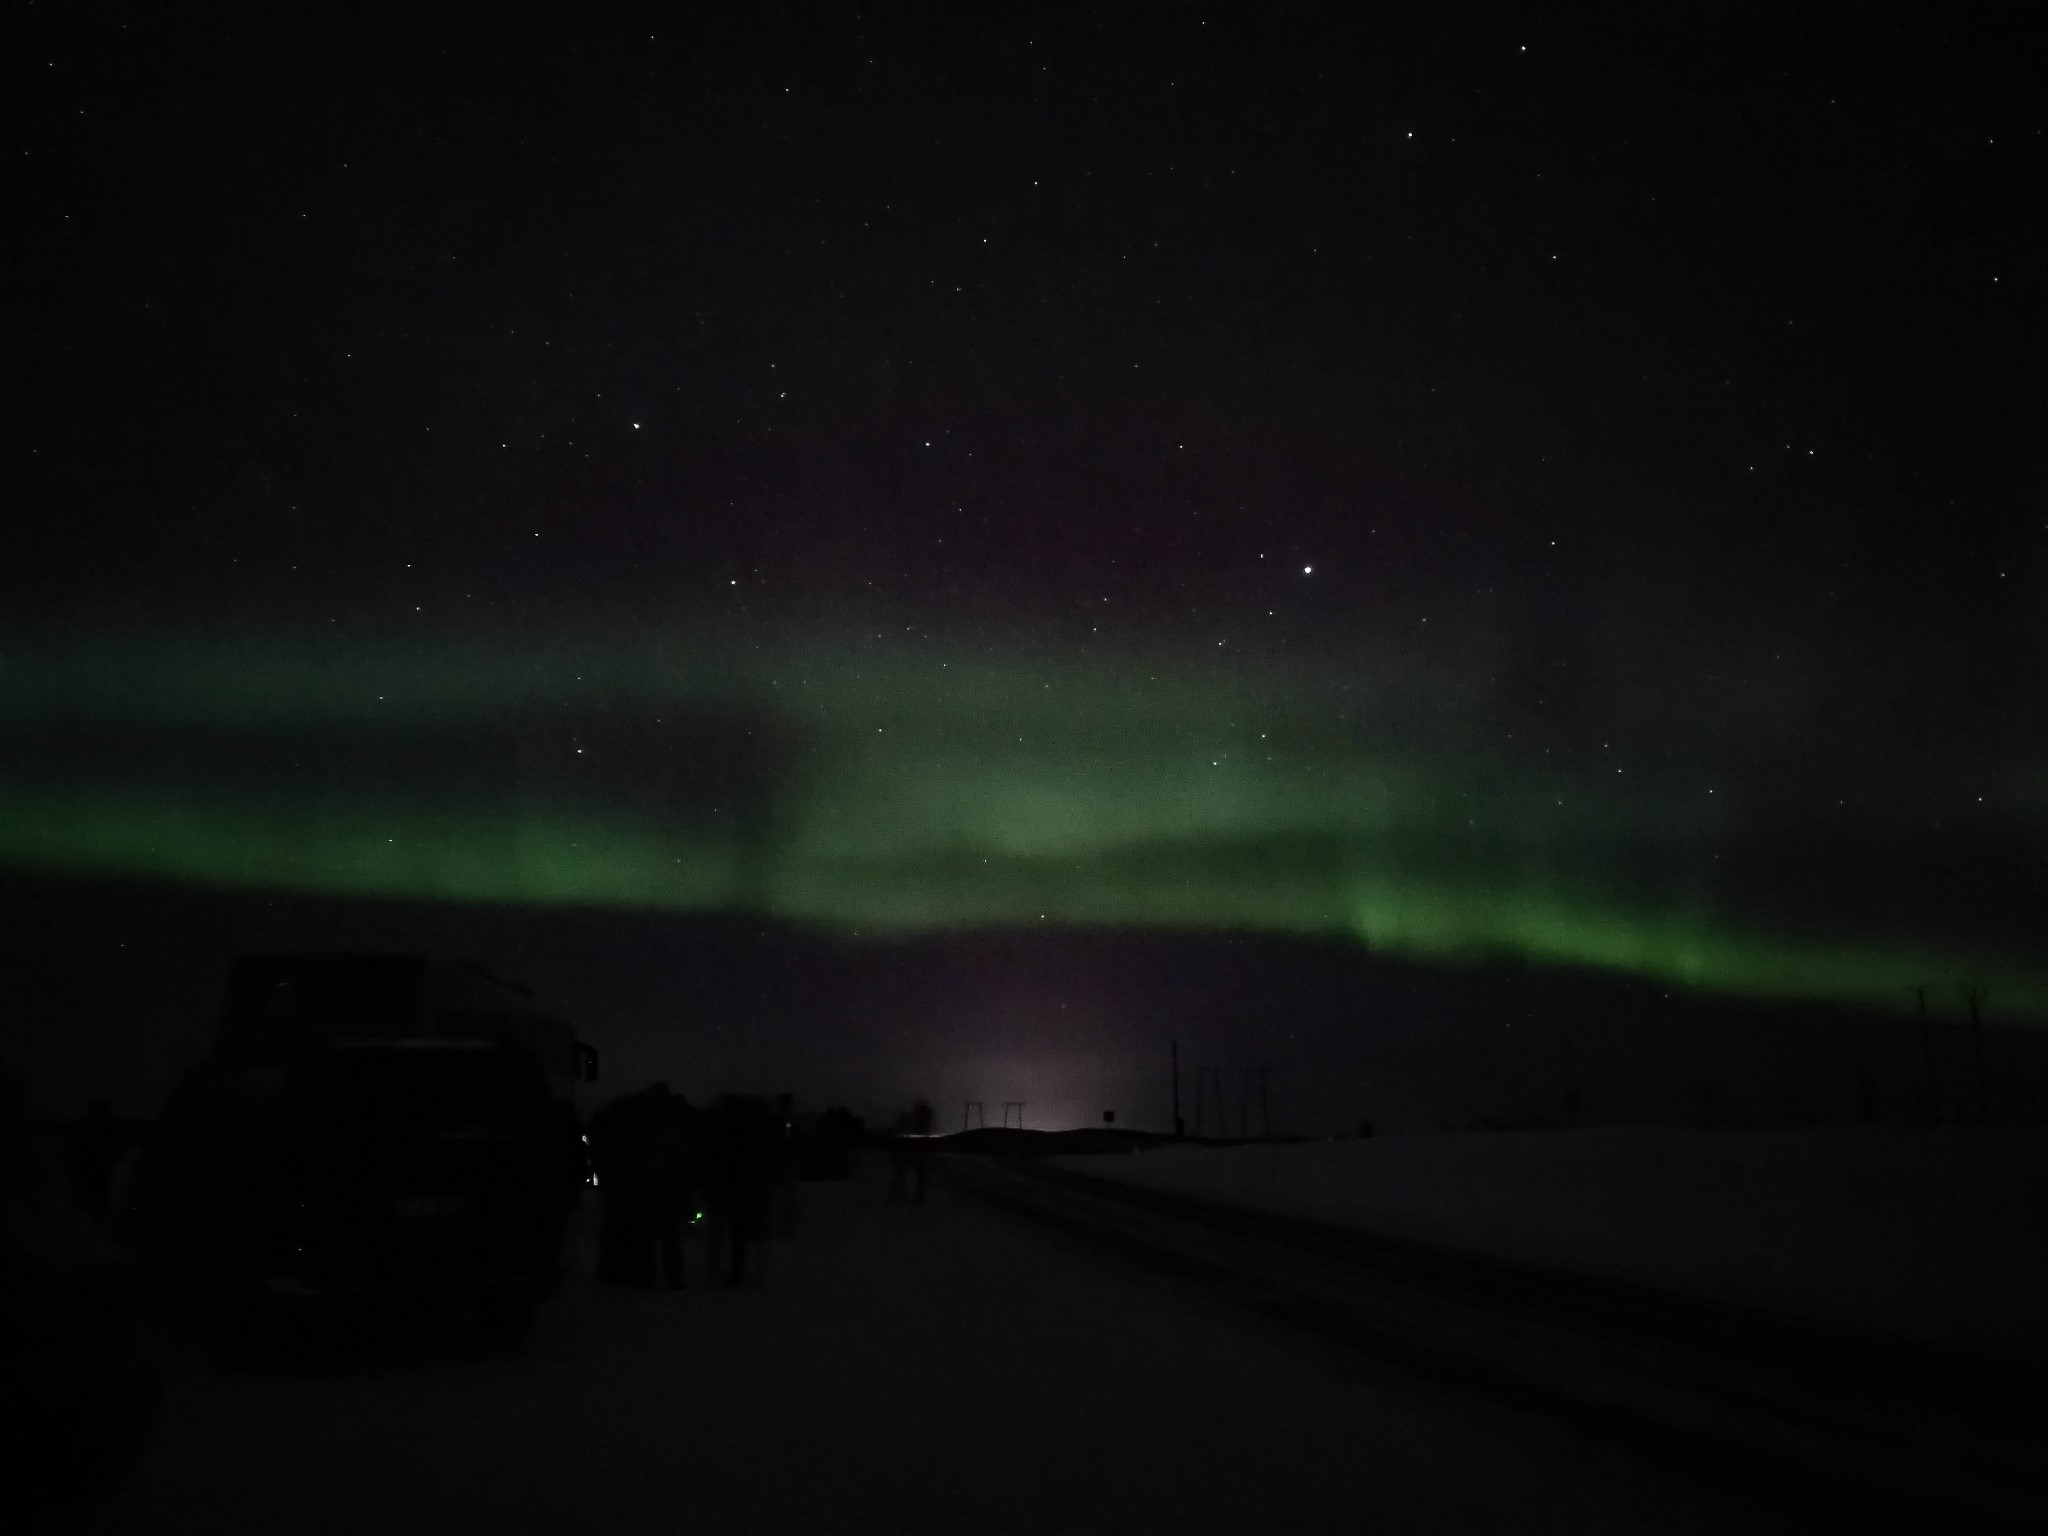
{"points": [[912, 1152], [741, 1152], [667, 1144]]}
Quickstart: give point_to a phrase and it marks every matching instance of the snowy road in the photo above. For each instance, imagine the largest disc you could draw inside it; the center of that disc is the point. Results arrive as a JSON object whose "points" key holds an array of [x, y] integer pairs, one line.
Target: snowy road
{"points": [[901, 1369], [1852, 1427]]}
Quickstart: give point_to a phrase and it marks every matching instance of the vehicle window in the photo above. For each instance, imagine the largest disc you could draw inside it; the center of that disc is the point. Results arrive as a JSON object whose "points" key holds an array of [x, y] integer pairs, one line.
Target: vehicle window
{"points": [[549, 1038], [288, 999]]}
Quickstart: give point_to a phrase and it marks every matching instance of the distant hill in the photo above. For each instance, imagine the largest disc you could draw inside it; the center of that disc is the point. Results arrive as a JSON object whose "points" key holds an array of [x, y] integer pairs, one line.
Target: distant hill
{"points": [[1012, 1142]]}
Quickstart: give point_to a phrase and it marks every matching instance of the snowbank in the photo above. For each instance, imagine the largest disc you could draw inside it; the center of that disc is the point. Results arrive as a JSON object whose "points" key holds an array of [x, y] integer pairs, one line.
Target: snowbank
{"points": [[1933, 1234]]}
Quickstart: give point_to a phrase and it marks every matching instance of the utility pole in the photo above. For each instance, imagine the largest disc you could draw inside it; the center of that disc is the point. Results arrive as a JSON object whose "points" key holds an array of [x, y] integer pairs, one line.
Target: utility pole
{"points": [[1017, 1105], [1205, 1079], [1250, 1076], [1179, 1126], [1975, 995], [973, 1107], [1930, 1096], [1930, 1091]]}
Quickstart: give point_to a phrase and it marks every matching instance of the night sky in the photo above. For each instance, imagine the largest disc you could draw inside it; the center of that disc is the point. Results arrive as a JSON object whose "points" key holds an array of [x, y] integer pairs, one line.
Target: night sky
{"points": [[1549, 485]]}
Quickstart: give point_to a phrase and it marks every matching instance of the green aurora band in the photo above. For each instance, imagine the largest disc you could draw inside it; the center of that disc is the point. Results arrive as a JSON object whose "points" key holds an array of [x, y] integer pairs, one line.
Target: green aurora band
{"points": [[871, 783]]}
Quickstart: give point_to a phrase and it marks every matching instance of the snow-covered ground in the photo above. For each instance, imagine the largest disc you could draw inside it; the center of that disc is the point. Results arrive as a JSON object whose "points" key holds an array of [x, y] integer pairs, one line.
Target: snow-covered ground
{"points": [[1933, 1234], [900, 1369]]}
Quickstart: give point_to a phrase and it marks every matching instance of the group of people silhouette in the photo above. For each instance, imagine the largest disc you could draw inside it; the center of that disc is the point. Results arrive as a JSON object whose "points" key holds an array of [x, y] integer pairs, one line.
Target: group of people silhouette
{"points": [[663, 1166], [729, 1170]]}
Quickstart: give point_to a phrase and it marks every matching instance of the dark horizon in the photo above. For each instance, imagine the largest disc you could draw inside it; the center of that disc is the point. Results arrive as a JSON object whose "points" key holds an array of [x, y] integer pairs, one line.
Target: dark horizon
{"points": [[115, 993]]}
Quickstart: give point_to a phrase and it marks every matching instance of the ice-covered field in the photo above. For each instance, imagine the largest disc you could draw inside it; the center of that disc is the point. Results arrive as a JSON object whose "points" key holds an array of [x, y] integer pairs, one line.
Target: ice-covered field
{"points": [[1936, 1234], [941, 1369]]}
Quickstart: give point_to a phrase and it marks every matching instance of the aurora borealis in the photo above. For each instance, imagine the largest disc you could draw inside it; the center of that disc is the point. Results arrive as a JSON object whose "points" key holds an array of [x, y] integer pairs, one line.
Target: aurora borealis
{"points": [[904, 783], [1378, 539]]}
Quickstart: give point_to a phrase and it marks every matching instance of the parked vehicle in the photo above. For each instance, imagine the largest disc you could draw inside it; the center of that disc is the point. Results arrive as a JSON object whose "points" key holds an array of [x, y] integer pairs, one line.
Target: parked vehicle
{"points": [[368, 1128]]}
